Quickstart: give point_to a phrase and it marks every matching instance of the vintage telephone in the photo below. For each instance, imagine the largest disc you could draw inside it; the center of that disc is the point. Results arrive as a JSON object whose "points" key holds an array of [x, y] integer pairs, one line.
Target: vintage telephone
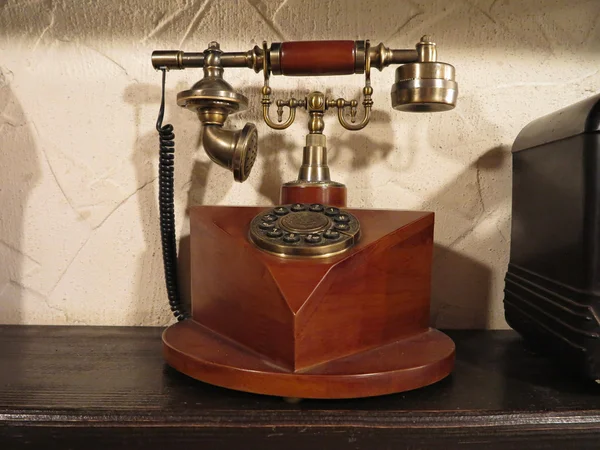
{"points": [[306, 299]]}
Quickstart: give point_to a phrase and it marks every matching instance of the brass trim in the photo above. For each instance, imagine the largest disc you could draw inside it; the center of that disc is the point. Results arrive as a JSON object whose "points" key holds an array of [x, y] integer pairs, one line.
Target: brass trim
{"points": [[426, 95], [438, 70], [305, 183], [169, 59], [314, 166], [301, 248], [199, 97], [275, 58], [287, 256], [426, 49], [359, 56]]}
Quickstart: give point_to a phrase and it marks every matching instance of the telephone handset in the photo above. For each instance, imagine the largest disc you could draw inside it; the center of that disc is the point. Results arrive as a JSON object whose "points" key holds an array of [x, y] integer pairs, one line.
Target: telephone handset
{"points": [[310, 234]]}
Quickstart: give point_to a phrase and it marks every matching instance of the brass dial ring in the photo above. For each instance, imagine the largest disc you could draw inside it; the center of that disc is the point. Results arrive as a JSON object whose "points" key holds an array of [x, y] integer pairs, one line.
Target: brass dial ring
{"points": [[304, 230]]}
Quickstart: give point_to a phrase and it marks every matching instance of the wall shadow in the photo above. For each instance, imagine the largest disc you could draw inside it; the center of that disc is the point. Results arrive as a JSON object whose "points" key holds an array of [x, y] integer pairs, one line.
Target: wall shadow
{"points": [[461, 286], [149, 279], [361, 144], [456, 280], [274, 148], [20, 171]]}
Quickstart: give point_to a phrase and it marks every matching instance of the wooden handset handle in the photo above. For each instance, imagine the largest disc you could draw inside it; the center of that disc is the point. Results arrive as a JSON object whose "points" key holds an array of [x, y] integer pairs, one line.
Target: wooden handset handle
{"points": [[315, 58]]}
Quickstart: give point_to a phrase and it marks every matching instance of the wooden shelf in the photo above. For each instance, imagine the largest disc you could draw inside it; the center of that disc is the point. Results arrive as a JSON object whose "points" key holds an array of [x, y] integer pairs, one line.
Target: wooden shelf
{"points": [[108, 387]]}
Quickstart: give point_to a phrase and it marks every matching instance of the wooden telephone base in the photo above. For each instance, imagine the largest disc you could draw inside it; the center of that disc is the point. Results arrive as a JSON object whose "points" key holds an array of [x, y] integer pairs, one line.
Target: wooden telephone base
{"points": [[351, 325]]}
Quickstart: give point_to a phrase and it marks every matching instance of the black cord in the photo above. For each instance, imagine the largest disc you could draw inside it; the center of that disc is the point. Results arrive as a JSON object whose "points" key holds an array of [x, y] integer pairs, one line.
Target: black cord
{"points": [[166, 205]]}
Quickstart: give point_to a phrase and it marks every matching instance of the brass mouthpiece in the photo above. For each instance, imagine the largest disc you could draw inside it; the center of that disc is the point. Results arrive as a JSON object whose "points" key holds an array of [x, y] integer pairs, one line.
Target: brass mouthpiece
{"points": [[213, 99]]}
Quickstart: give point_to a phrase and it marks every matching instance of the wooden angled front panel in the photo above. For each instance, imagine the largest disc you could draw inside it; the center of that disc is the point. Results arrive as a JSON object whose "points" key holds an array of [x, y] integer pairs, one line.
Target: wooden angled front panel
{"points": [[233, 292], [374, 297]]}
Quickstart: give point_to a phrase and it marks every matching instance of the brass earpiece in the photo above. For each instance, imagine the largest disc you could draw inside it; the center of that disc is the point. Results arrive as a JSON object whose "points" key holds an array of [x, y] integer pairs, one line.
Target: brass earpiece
{"points": [[426, 85]]}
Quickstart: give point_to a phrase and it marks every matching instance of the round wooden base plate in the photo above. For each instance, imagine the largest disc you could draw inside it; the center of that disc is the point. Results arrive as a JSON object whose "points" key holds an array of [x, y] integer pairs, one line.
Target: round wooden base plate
{"points": [[403, 365]]}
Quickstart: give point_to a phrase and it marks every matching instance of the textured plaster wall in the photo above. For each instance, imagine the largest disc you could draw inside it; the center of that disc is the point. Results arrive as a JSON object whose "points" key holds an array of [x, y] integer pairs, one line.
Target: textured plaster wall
{"points": [[78, 151]]}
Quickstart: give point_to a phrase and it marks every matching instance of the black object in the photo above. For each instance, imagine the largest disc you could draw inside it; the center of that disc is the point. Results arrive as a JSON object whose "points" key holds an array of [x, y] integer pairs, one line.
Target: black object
{"points": [[275, 233], [331, 234], [290, 238], [552, 291], [298, 207], [166, 206], [98, 388]]}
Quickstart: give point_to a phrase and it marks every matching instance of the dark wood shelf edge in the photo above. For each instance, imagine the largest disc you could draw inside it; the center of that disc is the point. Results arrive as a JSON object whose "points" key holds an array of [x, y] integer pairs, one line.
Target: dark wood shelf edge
{"points": [[92, 436], [316, 419], [108, 387]]}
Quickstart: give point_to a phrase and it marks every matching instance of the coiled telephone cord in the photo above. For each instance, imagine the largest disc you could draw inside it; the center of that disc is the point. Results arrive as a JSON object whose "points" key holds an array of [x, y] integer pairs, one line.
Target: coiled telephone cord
{"points": [[166, 205]]}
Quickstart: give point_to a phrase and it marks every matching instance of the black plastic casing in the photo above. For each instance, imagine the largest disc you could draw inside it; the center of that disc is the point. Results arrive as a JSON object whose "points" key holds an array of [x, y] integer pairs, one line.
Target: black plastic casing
{"points": [[552, 286]]}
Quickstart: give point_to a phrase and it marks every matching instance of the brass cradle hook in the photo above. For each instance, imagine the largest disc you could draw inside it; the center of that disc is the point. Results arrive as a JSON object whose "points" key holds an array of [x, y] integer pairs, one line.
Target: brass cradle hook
{"points": [[266, 101], [341, 103]]}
